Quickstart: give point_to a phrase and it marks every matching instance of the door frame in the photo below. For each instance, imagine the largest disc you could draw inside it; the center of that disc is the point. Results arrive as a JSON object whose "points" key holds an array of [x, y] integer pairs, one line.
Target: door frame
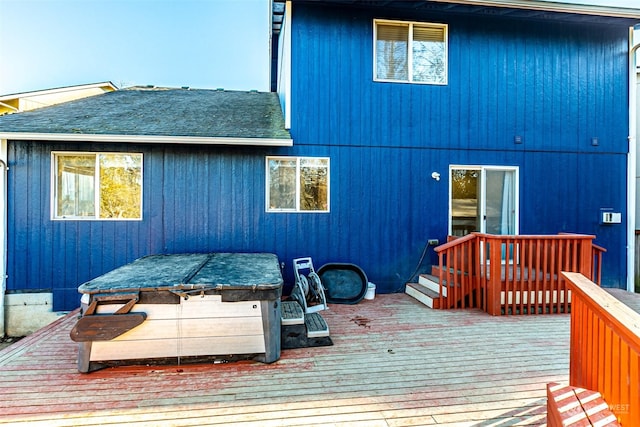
{"points": [[482, 199]]}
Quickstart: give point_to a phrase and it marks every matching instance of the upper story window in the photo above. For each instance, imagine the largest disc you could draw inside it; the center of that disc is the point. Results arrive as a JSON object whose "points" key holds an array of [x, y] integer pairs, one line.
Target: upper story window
{"points": [[413, 52], [103, 186], [297, 184]]}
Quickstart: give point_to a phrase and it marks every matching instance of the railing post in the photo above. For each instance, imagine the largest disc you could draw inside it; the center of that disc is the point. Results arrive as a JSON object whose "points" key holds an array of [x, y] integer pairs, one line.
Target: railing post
{"points": [[441, 279], [494, 284], [586, 257]]}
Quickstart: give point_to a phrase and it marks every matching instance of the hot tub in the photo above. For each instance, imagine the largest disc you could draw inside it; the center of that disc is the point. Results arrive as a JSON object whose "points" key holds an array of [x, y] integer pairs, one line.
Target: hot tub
{"points": [[182, 307]]}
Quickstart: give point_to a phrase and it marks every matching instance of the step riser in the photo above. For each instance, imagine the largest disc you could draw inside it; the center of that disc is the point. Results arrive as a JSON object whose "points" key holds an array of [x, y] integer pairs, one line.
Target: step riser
{"points": [[434, 286], [424, 299]]}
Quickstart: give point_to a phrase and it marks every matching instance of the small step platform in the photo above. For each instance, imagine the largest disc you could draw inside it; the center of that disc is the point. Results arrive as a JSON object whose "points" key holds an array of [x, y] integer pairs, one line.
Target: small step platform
{"points": [[292, 313], [316, 326], [300, 330]]}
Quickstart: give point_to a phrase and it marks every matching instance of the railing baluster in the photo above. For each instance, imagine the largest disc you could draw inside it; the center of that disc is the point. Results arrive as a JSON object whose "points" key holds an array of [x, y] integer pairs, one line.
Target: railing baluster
{"points": [[482, 274], [464, 269], [450, 259], [504, 275], [523, 272], [617, 346], [477, 273], [537, 271], [515, 282], [508, 278], [528, 277], [511, 273], [455, 282], [560, 283], [441, 263], [548, 274]]}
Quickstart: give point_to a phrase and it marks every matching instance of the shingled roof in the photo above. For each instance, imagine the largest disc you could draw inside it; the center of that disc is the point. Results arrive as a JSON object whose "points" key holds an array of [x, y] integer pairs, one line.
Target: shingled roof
{"points": [[156, 115]]}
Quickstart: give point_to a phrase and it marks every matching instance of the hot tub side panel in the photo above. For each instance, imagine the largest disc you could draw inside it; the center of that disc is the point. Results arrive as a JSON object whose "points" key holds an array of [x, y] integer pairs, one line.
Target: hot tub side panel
{"points": [[197, 326]]}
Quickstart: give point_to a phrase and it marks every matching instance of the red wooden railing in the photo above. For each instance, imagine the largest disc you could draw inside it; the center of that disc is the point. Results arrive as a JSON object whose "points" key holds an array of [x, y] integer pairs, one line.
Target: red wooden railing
{"points": [[459, 272], [514, 274], [605, 348]]}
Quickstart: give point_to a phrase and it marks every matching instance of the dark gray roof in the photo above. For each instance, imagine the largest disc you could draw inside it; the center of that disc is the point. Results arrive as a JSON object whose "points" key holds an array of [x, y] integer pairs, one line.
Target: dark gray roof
{"points": [[159, 112]]}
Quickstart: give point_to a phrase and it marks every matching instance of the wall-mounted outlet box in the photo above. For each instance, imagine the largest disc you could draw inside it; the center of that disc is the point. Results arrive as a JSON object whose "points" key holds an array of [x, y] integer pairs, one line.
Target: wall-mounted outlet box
{"points": [[607, 216]]}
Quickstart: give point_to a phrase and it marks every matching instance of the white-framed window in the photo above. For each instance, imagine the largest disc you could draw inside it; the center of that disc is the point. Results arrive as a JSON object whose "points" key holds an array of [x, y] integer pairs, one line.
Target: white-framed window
{"points": [[96, 186], [297, 184], [410, 52]]}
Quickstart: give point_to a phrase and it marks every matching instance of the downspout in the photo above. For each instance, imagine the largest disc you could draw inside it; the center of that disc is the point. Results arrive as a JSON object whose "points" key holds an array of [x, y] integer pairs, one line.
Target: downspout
{"points": [[3, 232], [631, 166]]}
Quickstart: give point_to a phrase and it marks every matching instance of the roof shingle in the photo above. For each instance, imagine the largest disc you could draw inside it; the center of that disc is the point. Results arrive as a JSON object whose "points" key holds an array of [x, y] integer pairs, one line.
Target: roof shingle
{"points": [[159, 112]]}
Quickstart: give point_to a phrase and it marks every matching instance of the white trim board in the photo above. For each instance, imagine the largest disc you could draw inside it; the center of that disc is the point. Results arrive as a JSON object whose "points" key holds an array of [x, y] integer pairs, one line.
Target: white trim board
{"points": [[145, 139], [614, 8]]}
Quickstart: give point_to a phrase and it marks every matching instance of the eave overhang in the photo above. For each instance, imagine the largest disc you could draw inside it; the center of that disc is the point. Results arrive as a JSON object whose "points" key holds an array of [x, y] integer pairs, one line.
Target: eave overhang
{"points": [[542, 10], [146, 139], [555, 6]]}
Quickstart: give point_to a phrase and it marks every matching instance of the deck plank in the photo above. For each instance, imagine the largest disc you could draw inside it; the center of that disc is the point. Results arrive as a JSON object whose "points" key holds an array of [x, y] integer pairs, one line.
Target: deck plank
{"points": [[393, 363]]}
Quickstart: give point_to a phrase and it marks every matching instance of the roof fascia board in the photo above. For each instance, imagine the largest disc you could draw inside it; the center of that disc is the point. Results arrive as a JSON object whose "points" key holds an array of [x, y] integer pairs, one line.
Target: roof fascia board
{"points": [[619, 12], [58, 90], [146, 139]]}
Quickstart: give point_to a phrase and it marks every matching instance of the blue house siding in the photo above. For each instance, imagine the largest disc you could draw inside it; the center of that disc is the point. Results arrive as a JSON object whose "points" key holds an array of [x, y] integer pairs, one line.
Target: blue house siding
{"points": [[212, 199], [554, 84], [201, 199], [194, 200]]}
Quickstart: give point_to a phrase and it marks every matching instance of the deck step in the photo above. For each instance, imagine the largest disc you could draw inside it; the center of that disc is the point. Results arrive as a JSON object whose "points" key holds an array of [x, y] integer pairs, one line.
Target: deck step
{"points": [[316, 326], [575, 406], [292, 313], [432, 282], [423, 294]]}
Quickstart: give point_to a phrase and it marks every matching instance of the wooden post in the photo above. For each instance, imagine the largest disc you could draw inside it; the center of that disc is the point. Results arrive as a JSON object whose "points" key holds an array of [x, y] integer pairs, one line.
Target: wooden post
{"points": [[494, 284], [586, 257]]}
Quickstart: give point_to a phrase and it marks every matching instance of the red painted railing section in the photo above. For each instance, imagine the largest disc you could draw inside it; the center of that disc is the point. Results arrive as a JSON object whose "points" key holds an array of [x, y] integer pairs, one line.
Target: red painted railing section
{"points": [[514, 274], [605, 348], [458, 262]]}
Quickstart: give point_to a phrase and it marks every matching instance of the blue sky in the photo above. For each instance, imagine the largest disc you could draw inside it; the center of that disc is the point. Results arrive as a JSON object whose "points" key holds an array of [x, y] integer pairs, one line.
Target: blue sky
{"points": [[197, 43]]}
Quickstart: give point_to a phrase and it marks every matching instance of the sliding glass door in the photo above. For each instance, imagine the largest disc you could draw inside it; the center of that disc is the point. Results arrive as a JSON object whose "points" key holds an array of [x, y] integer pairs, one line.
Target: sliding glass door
{"points": [[483, 199]]}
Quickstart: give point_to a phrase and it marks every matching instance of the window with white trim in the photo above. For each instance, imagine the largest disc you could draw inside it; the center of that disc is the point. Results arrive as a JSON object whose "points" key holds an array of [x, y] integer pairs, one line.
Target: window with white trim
{"points": [[297, 184], [99, 186], [410, 52]]}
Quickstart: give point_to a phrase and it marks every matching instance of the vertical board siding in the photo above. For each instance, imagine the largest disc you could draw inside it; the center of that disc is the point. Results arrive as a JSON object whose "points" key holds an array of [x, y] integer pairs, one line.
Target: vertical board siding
{"points": [[194, 200], [212, 199], [555, 84]]}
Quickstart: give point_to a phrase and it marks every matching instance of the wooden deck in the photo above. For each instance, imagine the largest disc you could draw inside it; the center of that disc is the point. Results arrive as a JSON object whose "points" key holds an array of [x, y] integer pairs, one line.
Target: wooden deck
{"points": [[393, 363]]}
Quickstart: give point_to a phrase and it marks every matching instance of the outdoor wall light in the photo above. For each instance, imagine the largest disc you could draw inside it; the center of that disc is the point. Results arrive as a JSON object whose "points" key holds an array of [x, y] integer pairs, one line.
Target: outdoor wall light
{"points": [[517, 139], [594, 141], [435, 175]]}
